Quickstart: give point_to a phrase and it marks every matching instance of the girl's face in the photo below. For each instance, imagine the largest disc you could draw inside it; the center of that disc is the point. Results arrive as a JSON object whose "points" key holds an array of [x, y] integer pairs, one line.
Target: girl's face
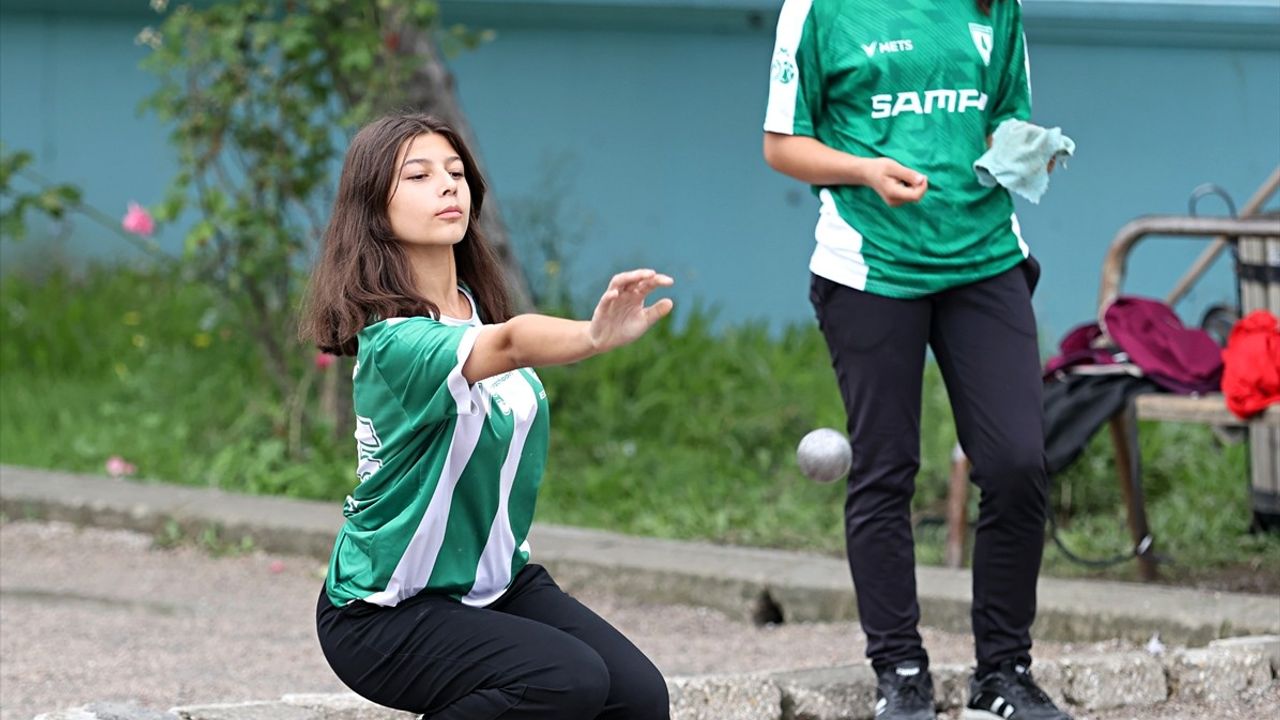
{"points": [[430, 202]]}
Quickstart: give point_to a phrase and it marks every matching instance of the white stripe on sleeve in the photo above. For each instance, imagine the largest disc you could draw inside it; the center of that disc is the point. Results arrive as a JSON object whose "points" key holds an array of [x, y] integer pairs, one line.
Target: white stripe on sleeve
{"points": [[458, 385], [784, 73]]}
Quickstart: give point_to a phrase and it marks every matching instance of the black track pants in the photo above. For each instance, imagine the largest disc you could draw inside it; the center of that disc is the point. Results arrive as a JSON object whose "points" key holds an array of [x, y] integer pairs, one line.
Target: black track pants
{"points": [[984, 338], [534, 653]]}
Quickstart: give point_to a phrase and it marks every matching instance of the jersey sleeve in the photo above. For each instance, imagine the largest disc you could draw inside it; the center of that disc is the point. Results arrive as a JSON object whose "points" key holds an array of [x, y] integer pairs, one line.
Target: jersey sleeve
{"points": [[1013, 92], [421, 363], [795, 76]]}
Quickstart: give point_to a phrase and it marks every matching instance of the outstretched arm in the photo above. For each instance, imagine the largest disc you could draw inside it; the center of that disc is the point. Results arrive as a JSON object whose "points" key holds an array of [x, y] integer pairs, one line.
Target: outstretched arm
{"points": [[539, 340]]}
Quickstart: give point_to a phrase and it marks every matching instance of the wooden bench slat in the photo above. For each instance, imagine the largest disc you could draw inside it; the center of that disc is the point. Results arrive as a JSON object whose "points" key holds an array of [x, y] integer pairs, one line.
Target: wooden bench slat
{"points": [[1204, 409]]}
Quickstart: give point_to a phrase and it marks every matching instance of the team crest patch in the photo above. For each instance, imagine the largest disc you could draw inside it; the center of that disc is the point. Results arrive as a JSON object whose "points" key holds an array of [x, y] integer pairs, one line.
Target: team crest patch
{"points": [[981, 35], [783, 69]]}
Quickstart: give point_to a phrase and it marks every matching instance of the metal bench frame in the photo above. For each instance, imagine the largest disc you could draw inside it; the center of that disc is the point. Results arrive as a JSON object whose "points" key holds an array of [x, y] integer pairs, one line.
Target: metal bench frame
{"points": [[1264, 429], [1209, 409]]}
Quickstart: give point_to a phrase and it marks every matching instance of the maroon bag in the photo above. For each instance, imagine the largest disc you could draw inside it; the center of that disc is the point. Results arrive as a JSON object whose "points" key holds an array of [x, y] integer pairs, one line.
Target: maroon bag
{"points": [[1080, 347]]}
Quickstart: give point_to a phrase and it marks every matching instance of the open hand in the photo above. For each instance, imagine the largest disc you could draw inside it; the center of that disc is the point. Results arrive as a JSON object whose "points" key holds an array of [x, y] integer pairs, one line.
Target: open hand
{"points": [[621, 315]]}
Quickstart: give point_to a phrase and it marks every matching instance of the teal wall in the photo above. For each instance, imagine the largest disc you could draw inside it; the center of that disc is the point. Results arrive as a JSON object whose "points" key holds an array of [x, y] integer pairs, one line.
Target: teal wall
{"points": [[638, 124], [69, 93]]}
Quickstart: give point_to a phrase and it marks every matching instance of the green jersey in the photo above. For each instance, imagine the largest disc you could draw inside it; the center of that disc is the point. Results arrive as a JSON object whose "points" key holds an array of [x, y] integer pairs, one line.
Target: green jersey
{"points": [[923, 82], [449, 471]]}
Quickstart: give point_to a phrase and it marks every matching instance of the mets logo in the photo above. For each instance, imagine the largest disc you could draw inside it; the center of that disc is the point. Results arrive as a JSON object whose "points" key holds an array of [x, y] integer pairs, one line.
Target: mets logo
{"points": [[783, 69]]}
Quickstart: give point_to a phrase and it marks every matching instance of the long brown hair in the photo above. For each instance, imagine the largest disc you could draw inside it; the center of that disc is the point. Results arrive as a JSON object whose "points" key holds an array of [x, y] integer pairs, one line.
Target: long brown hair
{"points": [[363, 273]]}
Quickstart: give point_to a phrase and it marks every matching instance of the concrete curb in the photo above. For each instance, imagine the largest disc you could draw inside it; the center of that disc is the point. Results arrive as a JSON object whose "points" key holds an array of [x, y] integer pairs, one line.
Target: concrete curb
{"points": [[745, 583], [741, 581], [1227, 669]]}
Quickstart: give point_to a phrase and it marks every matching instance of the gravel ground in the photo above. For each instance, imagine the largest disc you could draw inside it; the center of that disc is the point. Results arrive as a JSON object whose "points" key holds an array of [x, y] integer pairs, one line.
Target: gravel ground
{"points": [[97, 615]]}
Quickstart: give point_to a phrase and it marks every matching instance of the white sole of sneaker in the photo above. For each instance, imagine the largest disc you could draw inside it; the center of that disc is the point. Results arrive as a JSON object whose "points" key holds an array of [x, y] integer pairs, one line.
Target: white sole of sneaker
{"points": [[971, 714]]}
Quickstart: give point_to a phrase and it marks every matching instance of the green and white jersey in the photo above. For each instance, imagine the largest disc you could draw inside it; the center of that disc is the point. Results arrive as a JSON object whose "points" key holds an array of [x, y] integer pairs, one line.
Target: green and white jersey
{"points": [[449, 472], [923, 82]]}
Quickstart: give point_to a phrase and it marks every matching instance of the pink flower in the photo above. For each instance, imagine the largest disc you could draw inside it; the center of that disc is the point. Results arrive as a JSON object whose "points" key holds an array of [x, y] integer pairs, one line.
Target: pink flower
{"points": [[138, 221], [276, 567], [324, 361], [118, 467]]}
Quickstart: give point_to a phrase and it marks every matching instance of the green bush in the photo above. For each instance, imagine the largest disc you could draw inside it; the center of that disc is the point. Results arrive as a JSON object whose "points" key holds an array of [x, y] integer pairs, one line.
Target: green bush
{"points": [[127, 362], [688, 433]]}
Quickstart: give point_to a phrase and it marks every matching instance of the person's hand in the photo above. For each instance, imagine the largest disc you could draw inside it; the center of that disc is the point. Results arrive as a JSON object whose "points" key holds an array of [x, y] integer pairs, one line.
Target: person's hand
{"points": [[895, 184], [621, 315]]}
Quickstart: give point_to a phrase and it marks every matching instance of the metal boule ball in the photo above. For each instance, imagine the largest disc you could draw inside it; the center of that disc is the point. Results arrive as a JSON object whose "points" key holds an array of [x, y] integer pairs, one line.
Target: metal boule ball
{"points": [[824, 455]]}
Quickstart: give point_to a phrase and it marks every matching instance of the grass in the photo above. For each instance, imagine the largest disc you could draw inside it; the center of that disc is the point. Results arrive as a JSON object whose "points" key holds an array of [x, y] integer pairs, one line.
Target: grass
{"points": [[1198, 507], [689, 433], [131, 363]]}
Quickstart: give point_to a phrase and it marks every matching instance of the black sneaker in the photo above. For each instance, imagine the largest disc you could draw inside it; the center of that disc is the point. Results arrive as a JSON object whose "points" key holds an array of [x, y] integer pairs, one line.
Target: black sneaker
{"points": [[905, 692], [1009, 693]]}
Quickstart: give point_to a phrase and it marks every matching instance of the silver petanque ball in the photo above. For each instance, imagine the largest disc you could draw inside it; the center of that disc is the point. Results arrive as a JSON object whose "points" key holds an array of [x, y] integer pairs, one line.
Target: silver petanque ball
{"points": [[824, 455]]}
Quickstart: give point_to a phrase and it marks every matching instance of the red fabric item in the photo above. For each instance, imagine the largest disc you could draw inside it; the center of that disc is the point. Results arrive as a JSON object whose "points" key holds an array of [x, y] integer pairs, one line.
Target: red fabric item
{"points": [[1251, 373]]}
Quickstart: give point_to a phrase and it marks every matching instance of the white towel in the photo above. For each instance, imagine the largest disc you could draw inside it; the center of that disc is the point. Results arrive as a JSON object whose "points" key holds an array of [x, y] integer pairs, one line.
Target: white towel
{"points": [[1019, 158]]}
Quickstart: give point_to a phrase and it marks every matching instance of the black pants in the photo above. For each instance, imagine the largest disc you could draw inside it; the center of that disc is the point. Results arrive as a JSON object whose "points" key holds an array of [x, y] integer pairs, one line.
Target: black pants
{"points": [[984, 338], [534, 653]]}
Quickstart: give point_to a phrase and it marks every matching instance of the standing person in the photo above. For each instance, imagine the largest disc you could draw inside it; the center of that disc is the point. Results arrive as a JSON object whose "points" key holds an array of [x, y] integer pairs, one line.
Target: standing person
{"points": [[430, 604], [883, 107]]}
